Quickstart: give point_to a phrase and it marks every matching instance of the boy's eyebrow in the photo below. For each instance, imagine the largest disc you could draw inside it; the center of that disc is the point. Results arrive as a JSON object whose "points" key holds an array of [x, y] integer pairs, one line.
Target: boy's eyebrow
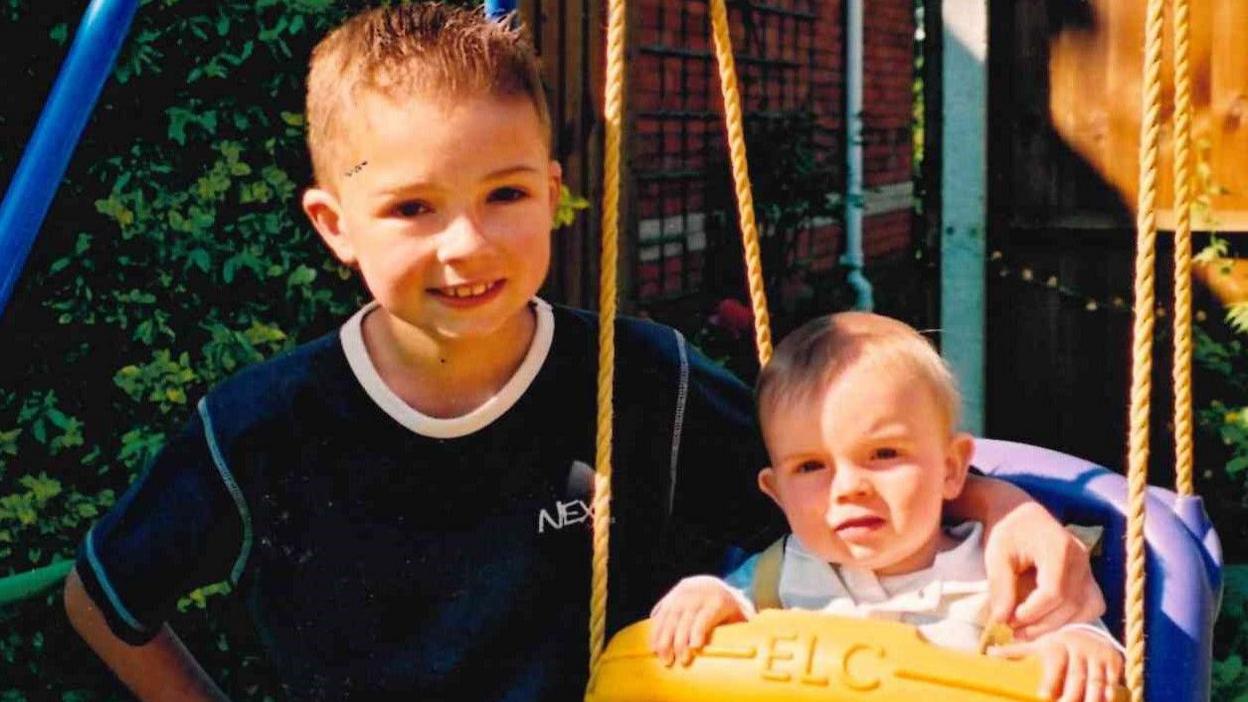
{"points": [[495, 175]]}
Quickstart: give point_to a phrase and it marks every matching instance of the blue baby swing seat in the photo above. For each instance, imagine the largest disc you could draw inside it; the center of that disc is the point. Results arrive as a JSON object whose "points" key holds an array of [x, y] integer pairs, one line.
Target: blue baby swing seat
{"points": [[1184, 557]]}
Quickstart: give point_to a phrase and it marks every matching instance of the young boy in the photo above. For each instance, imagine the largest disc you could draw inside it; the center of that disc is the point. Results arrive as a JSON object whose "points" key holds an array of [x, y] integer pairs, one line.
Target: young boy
{"points": [[860, 417], [401, 504]]}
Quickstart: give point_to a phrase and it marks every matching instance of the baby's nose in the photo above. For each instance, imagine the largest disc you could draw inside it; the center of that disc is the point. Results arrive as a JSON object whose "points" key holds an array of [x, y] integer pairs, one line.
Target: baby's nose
{"points": [[850, 482]]}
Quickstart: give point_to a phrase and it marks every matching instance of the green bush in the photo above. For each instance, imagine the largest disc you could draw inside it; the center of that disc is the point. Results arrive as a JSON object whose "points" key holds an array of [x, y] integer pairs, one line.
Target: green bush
{"points": [[1222, 366], [174, 255]]}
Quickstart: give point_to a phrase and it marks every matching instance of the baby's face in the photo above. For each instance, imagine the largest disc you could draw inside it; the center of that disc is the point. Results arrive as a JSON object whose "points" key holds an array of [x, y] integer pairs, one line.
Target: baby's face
{"points": [[862, 469]]}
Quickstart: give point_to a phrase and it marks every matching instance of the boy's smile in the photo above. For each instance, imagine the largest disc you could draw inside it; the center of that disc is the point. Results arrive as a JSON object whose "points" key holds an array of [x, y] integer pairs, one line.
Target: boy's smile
{"points": [[448, 214], [862, 469]]}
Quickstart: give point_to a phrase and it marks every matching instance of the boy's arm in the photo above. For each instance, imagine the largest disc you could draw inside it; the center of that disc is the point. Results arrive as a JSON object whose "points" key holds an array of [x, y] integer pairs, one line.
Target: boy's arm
{"points": [[1019, 536], [179, 525], [161, 669]]}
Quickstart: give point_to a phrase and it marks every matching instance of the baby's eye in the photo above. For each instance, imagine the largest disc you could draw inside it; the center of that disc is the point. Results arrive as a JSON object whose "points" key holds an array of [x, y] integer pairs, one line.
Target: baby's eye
{"points": [[808, 467], [412, 208], [885, 453], [508, 194]]}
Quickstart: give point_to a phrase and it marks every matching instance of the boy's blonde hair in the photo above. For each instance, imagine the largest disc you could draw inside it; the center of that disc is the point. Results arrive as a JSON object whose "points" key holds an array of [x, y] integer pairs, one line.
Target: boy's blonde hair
{"points": [[814, 355], [426, 49]]}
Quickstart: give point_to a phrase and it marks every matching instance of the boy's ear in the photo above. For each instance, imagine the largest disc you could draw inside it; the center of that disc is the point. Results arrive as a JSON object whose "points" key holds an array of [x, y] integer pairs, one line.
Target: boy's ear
{"points": [[556, 185], [325, 213], [957, 464], [767, 483]]}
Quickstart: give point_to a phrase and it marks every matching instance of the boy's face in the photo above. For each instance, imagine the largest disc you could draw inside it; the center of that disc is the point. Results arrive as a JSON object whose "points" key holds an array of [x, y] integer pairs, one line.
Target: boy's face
{"points": [[445, 206], [862, 469]]}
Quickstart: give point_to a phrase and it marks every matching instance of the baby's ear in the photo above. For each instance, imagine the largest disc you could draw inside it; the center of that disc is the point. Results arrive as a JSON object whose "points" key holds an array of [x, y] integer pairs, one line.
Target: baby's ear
{"points": [[957, 464], [767, 483], [325, 213]]}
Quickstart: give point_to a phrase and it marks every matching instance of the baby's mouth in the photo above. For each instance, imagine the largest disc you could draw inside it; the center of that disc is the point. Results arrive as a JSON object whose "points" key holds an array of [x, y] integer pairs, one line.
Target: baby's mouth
{"points": [[859, 525]]}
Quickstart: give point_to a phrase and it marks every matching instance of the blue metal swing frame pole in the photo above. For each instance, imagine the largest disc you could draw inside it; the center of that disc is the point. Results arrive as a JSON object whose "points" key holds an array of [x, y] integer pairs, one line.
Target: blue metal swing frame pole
{"points": [[98, 41], [495, 9]]}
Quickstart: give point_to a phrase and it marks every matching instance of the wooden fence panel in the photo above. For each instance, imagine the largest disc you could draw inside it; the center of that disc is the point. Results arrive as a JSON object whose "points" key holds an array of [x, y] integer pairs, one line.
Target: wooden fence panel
{"points": [[1097, 110], [1228, 107], [1064, 132], [569, 37]]}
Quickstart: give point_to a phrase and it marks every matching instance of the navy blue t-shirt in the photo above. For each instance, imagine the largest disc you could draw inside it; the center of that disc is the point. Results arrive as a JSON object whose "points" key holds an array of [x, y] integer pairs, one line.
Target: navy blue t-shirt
{"points": [[384, 554]]}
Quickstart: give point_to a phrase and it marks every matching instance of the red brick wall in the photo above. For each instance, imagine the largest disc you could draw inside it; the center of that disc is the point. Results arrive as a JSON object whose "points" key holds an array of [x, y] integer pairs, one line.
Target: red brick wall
{"points": [[888, 57], [791, 56]]}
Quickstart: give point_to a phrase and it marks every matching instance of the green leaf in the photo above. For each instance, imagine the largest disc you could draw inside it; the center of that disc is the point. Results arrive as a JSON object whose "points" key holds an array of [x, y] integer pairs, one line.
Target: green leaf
{"points": [[42, 488], [8, 441], [301, 276], [178, 119], [1237, 317], [58, 418], [200, 259]]}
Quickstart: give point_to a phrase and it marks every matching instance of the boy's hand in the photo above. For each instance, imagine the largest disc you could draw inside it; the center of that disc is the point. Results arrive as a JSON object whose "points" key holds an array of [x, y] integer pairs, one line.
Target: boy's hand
{"points": [[1078, 664], [681, 622], [1029, 540]]}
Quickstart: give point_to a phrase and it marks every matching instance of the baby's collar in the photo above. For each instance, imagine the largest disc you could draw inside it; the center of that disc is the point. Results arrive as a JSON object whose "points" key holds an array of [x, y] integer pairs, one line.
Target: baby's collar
{"points": [[959, 570]]}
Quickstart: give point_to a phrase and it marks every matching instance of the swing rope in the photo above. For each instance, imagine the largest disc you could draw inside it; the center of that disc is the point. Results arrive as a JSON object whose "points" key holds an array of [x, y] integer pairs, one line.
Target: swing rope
{"points": [[1142, 346], [614, 118], [741, 179], [1182, 252]]}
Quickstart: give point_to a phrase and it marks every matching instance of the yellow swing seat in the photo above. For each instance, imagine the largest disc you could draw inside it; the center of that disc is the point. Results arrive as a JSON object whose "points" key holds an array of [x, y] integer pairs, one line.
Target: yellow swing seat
{"points": [[795, 656]]}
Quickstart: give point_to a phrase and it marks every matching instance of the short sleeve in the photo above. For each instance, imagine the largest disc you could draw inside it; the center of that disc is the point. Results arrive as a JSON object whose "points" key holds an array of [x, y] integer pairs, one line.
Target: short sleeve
{"points": [[716, 501], [179, 526]]}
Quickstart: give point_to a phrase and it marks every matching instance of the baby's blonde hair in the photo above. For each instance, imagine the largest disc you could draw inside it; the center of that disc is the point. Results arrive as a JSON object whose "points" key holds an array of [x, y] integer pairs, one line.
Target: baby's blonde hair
{"points": [[426, 49], [818, 352]]}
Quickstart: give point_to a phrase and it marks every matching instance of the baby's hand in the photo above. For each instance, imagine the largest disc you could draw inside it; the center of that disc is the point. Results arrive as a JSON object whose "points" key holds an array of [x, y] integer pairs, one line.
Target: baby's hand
{"points": [[1078, 664], [682, 620]]}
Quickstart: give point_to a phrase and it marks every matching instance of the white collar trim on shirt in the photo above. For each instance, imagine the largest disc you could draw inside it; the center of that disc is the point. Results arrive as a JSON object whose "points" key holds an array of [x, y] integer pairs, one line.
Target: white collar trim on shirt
{"points": [[352, 336]]}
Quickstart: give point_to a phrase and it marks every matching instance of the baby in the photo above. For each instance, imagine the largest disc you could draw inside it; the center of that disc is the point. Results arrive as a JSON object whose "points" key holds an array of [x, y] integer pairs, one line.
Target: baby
{"points": [[859, 414]]}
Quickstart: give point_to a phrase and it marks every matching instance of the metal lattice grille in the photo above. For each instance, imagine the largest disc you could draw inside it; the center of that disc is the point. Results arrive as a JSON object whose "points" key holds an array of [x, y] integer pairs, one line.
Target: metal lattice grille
{"points": [[678, 150]]}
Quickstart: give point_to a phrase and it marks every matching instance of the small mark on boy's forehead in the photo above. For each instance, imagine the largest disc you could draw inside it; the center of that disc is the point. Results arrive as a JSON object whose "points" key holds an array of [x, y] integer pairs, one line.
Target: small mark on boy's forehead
{"points": [[356, 168]]}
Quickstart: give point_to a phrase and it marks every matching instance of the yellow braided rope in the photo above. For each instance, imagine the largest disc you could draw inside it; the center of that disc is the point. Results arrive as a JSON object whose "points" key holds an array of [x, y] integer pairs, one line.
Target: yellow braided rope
{"points": [[741, 178], [1182, 252], [606, 327], [1142, 348]]}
